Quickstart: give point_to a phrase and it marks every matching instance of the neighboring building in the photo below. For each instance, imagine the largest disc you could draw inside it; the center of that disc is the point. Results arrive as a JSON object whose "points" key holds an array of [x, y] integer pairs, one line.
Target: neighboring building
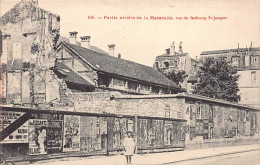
{"points": [[29, 37], [176, 61], [246, 60], [89, 69]]}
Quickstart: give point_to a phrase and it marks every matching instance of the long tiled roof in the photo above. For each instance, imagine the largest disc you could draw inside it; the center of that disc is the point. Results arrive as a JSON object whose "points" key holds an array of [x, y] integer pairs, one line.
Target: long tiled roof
{"points": [[229, 50], [118, 66], [91, 47]]}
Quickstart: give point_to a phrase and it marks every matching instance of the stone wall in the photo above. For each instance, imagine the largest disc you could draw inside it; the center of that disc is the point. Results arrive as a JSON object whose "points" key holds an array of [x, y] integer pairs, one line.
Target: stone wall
{"points": [[221, 121], [30, 36], [156, 107]]}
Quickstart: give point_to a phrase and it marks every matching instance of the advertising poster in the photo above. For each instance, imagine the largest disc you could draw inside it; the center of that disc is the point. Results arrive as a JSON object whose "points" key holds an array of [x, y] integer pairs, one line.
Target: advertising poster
{"points": [[71, 139], [54, 136], [38, 136], [20, 135], [92, 133], [168, 133]]}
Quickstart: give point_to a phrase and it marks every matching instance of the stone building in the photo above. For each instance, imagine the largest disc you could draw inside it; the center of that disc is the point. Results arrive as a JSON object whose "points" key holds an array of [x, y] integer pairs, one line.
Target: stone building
{"points": [[86, 68], [174, 60], [246, 60], [29, 36]]}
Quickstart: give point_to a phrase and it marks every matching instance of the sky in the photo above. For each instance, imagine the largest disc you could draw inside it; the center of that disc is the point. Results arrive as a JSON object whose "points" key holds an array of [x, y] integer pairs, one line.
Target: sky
{"points": [[142, 40]]}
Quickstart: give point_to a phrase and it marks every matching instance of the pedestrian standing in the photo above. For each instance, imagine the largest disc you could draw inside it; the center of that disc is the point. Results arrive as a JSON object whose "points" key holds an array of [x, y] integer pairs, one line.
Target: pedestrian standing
{"points": [[129, 147]]}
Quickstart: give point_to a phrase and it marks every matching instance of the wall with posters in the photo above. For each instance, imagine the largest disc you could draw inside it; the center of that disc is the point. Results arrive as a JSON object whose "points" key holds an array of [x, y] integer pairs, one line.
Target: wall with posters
{"points": [[213, 120], [153, 133], [93, 134], [54, 136], [71, 138], [38, 136], [18, 136]]}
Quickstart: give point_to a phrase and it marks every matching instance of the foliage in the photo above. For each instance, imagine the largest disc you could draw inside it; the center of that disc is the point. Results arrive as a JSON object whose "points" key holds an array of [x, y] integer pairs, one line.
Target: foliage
{"points": [[177, 77], [218, 79]]}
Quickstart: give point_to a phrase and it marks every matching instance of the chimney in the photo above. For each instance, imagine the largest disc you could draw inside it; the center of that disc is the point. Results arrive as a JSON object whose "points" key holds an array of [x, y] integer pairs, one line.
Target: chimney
{"points": [[85, 41], [180, 48], [172, 48], [119, 56], [73, 37], [251, 44], [111, 48], [167, 51]]}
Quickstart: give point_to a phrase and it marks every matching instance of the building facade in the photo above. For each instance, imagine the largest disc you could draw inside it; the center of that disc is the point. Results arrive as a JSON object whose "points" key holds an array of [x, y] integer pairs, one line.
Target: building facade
{"points": [[177, 61], [29, 35], [246, 60], [86, 69]]}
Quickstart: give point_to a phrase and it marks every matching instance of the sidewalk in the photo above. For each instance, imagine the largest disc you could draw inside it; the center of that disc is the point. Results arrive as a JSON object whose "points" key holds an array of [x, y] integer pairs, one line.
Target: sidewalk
{"points": [[153, 158]]}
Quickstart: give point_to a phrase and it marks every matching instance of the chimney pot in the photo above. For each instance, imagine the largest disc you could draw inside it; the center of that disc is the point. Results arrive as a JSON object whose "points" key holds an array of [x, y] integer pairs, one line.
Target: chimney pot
{"points": [[85, 41], [180, 48], [111, 48], [73, 37], [119, 55], [167, 51], [172, 48]]}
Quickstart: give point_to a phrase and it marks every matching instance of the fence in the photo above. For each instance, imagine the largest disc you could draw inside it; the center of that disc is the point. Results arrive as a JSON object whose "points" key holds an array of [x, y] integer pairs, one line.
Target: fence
{"points": [[47, 132]]}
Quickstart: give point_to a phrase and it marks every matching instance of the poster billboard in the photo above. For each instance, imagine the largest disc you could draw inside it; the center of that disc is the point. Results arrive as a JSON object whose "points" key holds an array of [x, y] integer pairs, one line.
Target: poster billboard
{"points": [[20, 135], [71, 139], [54, 136], [37, 136]]}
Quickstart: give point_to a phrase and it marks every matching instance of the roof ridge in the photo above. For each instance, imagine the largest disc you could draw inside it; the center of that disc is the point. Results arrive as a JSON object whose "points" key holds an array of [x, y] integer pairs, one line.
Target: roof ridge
{"points": [[231, 49], [111, 56], [122, 67]]}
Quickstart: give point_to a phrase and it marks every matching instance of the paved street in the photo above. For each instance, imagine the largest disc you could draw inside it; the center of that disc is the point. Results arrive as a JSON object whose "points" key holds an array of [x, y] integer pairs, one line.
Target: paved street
{"points": [[246, 154], [245, 158]]}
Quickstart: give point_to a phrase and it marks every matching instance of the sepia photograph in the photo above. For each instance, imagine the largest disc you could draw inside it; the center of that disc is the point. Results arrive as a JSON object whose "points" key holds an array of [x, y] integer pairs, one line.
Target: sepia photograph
{"points": [[129, 82]]}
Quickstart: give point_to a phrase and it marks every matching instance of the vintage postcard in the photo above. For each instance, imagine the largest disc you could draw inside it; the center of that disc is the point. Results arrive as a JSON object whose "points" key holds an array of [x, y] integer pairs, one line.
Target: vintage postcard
{"points": [[119, 82]]}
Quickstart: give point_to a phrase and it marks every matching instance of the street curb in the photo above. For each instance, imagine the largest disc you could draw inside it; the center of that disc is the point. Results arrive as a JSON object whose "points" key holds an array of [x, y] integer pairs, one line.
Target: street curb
{"points": [[197, 158]]}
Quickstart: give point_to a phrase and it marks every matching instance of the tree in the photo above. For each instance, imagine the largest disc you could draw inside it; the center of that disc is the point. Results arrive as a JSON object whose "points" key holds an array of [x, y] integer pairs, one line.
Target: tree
{"points": [[218, 79], [176, 77]]}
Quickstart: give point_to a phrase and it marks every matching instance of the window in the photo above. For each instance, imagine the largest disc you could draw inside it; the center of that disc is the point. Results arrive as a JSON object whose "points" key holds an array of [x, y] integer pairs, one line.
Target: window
{"points": [[253, 76], [234, 60], [167, 110], [198, 110], [254, 59], [166, 64]]}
